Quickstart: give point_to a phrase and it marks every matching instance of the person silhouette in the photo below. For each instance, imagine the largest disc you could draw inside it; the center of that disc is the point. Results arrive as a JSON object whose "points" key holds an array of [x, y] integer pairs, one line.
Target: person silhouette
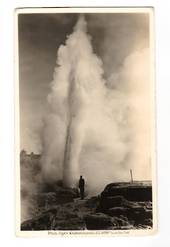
{"points": [[81, 187]]}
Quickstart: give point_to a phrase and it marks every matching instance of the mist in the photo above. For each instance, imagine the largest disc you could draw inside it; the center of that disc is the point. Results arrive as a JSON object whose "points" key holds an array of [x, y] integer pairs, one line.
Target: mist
{"points": [[92, 126]]}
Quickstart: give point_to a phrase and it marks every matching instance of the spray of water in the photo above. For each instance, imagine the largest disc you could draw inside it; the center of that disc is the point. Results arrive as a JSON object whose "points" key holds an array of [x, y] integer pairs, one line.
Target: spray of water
{"points": [[83, 132]]}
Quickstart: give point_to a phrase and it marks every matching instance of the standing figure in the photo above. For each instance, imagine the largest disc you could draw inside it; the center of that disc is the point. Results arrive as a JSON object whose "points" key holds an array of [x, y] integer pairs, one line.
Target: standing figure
{"points": [[81, 187]]}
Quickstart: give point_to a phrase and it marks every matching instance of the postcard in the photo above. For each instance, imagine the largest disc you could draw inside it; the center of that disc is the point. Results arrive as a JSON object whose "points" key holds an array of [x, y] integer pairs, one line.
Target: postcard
{"points": [[85, 121]]}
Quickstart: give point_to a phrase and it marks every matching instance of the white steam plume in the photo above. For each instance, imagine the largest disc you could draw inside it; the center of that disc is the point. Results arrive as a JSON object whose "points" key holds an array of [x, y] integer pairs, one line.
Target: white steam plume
{"points": [[87, 129], [134, 80]]}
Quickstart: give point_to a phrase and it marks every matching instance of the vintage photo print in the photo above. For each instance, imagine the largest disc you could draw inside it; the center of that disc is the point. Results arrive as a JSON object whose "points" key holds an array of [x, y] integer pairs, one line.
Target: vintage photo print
{"points": [[85, 129]]}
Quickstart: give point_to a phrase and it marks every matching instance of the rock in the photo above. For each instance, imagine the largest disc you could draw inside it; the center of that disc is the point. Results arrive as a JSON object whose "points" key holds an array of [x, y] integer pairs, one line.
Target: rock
{"points": [[107, 202], [117, 211], [93, 202], [114, 202], [148, 222], [42, 222], [98, 221], [45, 200], [54, 198], [53, 219], [122, 223], [62, 209], [140, 216], [136, 191]]}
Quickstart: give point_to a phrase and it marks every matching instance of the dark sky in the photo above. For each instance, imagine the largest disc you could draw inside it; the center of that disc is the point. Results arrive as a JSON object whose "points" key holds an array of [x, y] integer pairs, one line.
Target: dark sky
{"points": [[114, 37]]}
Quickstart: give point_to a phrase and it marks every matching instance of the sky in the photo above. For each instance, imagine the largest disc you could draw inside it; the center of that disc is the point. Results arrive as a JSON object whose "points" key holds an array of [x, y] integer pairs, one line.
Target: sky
{"points": [[115, 38]]}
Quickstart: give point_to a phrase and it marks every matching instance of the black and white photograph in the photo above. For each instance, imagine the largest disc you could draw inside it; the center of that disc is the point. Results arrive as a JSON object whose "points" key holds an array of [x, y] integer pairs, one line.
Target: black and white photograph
{"points": [[85, 93]]}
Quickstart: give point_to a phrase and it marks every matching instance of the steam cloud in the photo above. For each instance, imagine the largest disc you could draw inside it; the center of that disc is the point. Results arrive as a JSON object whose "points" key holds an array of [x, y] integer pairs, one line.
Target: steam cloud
{"points": [[88, 129], [98, 123]]}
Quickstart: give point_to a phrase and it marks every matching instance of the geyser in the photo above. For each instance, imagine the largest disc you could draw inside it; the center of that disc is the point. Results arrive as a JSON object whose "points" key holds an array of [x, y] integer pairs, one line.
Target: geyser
{"points": [[81, 132], [87, 130]]}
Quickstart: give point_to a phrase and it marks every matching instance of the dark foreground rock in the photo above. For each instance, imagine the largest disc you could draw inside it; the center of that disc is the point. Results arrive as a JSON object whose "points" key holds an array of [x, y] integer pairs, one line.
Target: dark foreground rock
{"points": [[130, 200], [63, 210], [52, 220], [60, 196], [100, 221], [68, 216], [43, 201], [79, 215], [136, 191]]}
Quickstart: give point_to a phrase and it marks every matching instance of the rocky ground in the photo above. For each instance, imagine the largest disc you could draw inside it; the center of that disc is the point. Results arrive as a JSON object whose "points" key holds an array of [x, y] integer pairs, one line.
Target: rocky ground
{"points": [[119, 206]]}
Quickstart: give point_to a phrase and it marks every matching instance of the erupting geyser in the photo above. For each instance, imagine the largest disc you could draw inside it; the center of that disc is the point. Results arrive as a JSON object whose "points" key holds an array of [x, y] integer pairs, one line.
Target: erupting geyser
{"points": [[86, 129], [81, 132], [80, 82]]}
